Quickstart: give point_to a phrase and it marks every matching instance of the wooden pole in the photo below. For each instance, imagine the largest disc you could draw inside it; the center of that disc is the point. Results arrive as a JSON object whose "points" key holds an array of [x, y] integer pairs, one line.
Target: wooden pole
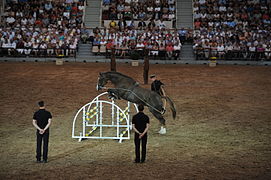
{"points": [[146, 66], [113, 60]]}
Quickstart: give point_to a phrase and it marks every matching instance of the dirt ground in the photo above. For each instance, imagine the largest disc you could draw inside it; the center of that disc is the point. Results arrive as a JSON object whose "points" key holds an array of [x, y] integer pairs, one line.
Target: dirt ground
{"points": [[222, 129]]}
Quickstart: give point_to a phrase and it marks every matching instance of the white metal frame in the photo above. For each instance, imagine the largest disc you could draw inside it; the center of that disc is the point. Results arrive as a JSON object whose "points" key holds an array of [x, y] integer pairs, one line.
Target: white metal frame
{"points": [[97, 107]]}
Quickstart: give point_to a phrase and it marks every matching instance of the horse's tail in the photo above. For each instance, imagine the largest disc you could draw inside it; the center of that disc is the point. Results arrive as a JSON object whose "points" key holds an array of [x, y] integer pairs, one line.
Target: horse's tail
{"points": [[172, 106]]}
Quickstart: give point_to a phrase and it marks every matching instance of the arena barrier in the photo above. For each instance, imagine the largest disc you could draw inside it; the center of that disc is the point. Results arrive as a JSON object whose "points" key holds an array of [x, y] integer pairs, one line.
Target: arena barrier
{"points": [[103, 119]]}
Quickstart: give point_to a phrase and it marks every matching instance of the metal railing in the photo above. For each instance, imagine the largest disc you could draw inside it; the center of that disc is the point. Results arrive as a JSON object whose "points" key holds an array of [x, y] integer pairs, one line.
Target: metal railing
{"points": [[206, 54], [84, 14], [37, 52], [140, 53]]}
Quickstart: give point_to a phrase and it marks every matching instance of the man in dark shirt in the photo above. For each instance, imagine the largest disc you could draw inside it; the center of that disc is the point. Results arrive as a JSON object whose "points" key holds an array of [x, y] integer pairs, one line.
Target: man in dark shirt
{"points": [[42, 121], [157, 86], [140, 124]]}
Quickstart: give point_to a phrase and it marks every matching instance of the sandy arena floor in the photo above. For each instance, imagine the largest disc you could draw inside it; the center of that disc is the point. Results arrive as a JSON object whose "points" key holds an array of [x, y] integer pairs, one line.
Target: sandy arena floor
{"points": [[222, 130]]}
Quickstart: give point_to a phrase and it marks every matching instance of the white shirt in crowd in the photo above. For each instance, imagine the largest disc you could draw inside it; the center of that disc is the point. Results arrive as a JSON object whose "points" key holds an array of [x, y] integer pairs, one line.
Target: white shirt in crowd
{"points": [[252, 48], [10, 20], [220, 48], [140, 45], [229, 47], [177, 47], [202, 1]]}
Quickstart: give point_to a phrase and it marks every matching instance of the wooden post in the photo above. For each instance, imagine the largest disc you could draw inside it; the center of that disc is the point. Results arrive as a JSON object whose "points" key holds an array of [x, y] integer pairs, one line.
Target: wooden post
{"points": [[146, 66], [113, 60]]}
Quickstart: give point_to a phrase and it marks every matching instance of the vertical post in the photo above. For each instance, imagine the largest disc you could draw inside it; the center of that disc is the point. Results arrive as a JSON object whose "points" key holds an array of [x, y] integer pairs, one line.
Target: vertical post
{"points": [[113, 60], [113, 112], [84, 121], [146, 66], [128, 112], [118, 120], [97, 115], [129, 124], [101, 119], [128, 131]]}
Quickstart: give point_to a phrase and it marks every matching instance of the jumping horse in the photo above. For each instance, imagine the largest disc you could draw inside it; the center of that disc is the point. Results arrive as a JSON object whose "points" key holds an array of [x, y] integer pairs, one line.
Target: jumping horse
{"points": [[128, 89]]}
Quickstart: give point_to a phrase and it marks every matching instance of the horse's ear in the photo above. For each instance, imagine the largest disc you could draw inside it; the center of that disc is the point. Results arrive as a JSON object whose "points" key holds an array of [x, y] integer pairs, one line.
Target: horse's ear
{"points": [[100, 74]]}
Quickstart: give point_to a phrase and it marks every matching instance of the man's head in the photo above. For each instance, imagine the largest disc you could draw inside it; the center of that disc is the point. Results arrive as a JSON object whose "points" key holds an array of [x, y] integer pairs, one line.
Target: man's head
{"points": [[41, 104], [153, 77], [140, 107]]}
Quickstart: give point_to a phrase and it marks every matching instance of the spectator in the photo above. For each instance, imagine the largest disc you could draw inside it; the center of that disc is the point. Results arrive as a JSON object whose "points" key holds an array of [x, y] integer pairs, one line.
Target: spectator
{"points": [[142, 25], [177, 50], [122, 24], [169, 50], [113, 25], [240, 29]]}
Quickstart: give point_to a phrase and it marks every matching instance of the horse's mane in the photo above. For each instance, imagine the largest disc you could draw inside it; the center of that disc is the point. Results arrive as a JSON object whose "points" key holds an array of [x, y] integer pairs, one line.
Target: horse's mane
{"points": [[117, 73]]}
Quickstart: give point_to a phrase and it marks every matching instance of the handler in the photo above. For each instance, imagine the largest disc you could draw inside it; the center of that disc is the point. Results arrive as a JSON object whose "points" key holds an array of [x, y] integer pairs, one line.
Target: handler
{"points": [[42, 121], [140, 123], [157, 86]]}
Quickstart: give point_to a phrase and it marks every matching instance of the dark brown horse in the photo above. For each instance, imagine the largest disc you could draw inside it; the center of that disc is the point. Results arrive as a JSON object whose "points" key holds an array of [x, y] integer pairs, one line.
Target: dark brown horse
{"points": [[128, 89]]}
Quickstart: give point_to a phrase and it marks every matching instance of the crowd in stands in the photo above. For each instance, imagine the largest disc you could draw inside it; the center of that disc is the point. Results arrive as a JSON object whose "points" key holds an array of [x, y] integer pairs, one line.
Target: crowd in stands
{"points": [[232, 29], [226, 29], [139, 9], [139, 25], [41, 27], [160, 42]]}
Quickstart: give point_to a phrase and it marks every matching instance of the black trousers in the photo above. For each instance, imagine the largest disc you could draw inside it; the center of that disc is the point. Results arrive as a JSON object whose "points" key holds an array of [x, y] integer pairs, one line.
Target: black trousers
{"points": [[143, 141], [45, 138]]}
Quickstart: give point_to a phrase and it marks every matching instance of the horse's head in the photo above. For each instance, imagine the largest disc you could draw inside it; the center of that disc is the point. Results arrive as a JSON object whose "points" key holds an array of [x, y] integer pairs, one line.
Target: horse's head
{"points": [[102, 80]]}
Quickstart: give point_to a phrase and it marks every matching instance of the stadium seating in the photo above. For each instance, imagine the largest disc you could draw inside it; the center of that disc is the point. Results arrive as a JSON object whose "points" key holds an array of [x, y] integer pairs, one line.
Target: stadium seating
{"points": [[134, 25], [41, 28], [131, 41], [232, 29]]}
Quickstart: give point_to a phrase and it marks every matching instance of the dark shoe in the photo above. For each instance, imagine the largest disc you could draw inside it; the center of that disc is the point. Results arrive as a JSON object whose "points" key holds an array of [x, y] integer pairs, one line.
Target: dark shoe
{"points": [[38, 161], [44, 161], [136, 162], [142, 161]]}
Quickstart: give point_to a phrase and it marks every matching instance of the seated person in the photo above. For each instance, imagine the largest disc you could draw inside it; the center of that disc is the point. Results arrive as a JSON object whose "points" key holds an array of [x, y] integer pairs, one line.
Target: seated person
{"points": [[141, 25], [169, 49], [177, 50], [113, 24], [106, 2], [127, 15], [96, 41], [131, 24], [141, 15], [122, 24]]}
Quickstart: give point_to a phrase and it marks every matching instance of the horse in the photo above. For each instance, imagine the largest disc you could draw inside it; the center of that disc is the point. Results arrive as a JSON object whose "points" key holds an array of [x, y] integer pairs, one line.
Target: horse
{"points": [[128, 89]]}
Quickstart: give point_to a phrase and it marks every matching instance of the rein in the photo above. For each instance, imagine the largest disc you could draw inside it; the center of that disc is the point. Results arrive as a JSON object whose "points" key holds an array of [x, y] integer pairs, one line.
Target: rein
{"points": [[137, 97]]}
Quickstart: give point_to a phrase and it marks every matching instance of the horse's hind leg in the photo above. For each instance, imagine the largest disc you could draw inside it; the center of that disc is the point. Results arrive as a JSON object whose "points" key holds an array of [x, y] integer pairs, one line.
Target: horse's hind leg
{"points": [[162, 120]]}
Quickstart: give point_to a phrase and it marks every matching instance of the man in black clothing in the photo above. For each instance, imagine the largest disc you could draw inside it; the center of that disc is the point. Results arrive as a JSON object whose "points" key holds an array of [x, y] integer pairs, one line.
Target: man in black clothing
{"points": [[141, 24], [157, 86], [42, 121], [140, 124]]}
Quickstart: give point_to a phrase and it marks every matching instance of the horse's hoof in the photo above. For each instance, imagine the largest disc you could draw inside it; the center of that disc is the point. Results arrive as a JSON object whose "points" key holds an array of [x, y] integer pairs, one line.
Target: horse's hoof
{"points": [[163, 131], [112, 97]]}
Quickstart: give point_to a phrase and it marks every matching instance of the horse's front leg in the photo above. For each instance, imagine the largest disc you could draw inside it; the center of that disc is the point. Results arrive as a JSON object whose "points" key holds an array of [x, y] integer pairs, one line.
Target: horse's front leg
{"points": [[113, 94]]}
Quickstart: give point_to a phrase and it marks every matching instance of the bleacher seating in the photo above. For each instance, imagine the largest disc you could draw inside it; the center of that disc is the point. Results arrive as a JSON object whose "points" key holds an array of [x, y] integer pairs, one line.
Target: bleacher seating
{"points": [[160, 42], [138, 10], [232, 29], [41, 28], [133, 26]]}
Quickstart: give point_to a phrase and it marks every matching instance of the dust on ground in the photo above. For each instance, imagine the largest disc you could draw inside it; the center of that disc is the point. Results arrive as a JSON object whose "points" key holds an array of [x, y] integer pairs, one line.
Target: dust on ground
{"points": [[222, 129]]}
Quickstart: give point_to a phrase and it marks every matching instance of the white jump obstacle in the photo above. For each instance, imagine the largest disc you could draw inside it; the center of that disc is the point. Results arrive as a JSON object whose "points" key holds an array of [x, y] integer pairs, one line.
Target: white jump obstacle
{"points": [[100, 115]]}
